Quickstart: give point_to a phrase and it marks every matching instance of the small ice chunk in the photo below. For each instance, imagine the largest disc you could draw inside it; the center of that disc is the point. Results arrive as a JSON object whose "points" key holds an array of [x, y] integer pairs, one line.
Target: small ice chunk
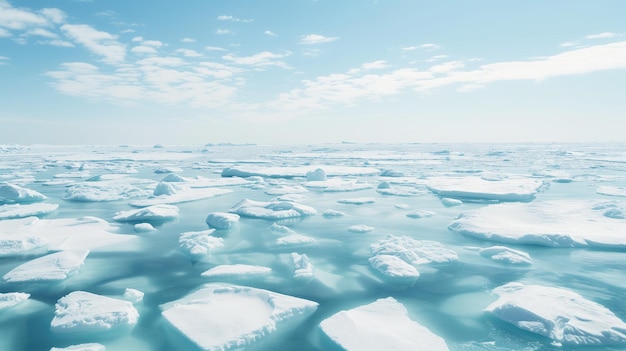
{"points": [[316, 175], [360, 228], [83, 312], [414, 251], [332, 213], [420, 214], [169, 169], [357, 201], [165, 188], [237, 271], [302, 267], [449, 202], [391, 173], [56, 266], [225, 317], [150, 214], [395, 270], [295, 240], [144, 228], [21, 211], [173, 178], [274, 210], [222, 220], [133, 295], [198, 244], [381, 325], [275, 227], [11, 299], [14, 194], [81, 347], [401, 206], [559, 314], [505, 254]]}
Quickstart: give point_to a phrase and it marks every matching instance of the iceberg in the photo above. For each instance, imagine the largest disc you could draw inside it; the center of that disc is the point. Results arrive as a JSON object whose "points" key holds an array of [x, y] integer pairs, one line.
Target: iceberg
{"points": [[559, 314], [14, 194], [82, 312], [225, 317], [557, 223], [222, 220], [52, 267], [22, 211], [154, 214], [8, 300], [274, 210], [477, 188], [381, 325]]}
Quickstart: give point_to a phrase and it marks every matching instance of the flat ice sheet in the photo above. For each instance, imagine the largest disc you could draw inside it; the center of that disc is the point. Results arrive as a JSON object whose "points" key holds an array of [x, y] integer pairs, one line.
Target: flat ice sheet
{"points": [[478, 188], [273, 210], [22, 211], [294, 171], [414, 251], [15, 194], [224, 317], [381, 325], [237, 271], [559, 223], [181, 194], [55, 266], [151, 214]]}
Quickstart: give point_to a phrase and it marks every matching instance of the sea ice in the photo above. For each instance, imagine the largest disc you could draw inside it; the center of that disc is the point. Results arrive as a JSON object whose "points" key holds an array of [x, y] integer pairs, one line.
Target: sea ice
{"points": [[558, 223], [337, 185], [222, 220], [360, 228], [357, 201], [283, 189], [133, 295], [151, 214], [81, 347], [394, 269], [316, 175], [294, 171], [332, 213], [611, 191], [505, 254], [449, 202], [295, 240], [302, 267], [237, 271], [8, 300], [381, 325], [559, 314], [225, 317], [420, 214], [21, 211], [478, 188], [55, 266], [103, 191], [199, 244], [83, 312], [14, 194], [414, 251], [274, 210], [386, 188], [144, 228], [173, 193]]}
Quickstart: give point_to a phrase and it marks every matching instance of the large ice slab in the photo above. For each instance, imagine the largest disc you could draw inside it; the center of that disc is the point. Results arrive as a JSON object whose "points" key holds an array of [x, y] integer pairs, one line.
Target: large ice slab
{"points": [[294, 171], [414, 251], [559, 314], [225, 317], [84, 312], [108, 190], [273, 210], [173, 193], [381, 325], [11, 299], [199, 244], [56, 266], [479, 188], [21, 211], [558, 223], [15, 194], [150, 214]]}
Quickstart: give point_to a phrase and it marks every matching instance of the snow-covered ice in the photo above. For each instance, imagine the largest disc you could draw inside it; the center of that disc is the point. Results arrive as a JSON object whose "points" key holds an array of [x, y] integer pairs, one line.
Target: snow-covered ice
{"points": [[420, 214], [111, 190], [15, 194], [414, 251], [394, 269], [381, 325], [332, 213], [81, 347], [133, 295], [302, 267], [360, 228], [337, 185], [8, 300], [559, 314], [237, 271], [222, 220], [225, 317], [273, 210], [55, 266], [611, 191], [154, 214], [294, 171], [357, 201], [478, 188], [171, 193], [199, 244], [507, 255], [21, 211]]}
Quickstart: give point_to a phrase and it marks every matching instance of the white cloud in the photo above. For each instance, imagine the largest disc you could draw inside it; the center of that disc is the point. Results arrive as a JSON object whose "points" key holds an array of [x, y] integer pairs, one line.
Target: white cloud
{"points": [[313, 39], [233, 19], [3, 60], [270, 33], [429, 46], [214, 48], [18, 19], [569, 44], [162, 61], [437, 58], [142, 49], [153, 43], [98, 42], [601, 35], [4, 33], [188, 40], [380, 64], [55, 15], [264, 58], [41, 33], [60, 43], [188, 52], [137, 39], [221, 31]]}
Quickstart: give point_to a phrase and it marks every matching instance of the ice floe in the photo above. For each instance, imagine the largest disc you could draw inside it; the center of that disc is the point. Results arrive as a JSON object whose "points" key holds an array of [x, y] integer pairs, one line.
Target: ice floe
{"points": [[15, 194], [302, 267], [222, 220], [22, 211], [386, 188], [82, 312], [506, 255], [317, 174], [103, 191], [611, 191], [8, 300], [478, 188], [337, 185], [558, 223], [295, 240], [294, 171], [394, 269], [449, 202], [283, 189], [81, 347], [55, 266], [173, 193], [420, 214], [333, 213], [414, 251], [273, 210], [559, 314], [381, 325], [199, 244], [360, 228], [357, 201], [133, 295], [225, 317], [154, 214], [237, 271], [144, 228]]}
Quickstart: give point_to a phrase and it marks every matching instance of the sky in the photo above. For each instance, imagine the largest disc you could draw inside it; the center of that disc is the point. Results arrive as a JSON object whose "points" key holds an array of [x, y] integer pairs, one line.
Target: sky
{"points": [[303, 71]]}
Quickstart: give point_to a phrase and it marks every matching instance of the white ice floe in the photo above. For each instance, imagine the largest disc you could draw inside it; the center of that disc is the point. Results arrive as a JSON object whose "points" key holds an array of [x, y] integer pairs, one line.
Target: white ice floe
{"points": [[295, 240], [81, 347], [103, 191], [337, 185], [169, 169], [8, 300], [237, 271], [357, 201], [392, 173], [20, 211], [133, 295], [302, 267], [222, 220], [316, 175], [386, 188], [381, 325], [558, 223], [52, 267], [507, 255], [199, 244], [151, 214], [273, 210], [478, 188], [394, 269], [294, 171], [449, 202], [15, 194], [82, 312], [420, 214], [229, 317], [611, 191], [414, 251], [360, 228], [174, 193], [332, 213], [284, 189], [144, 228], [559, 314]]}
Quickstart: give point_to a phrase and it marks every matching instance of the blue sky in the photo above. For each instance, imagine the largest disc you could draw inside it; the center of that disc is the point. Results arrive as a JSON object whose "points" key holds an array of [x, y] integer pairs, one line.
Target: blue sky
{"points": [[298, 71]]}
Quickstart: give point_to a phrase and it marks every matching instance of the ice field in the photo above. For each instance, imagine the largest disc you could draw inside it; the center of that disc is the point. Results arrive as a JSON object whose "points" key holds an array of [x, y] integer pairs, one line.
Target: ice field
{"points": [[316, 247]]}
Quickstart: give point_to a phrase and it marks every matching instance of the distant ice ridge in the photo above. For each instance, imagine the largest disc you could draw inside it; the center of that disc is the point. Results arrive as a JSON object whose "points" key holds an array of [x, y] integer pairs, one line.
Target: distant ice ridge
{"points": [[381, 325], [55, 266], [14, 194], [559, 314], [558, 223], [274, 210], [81, 312], [222, 317], [21, 211], [8, 300], [478, 188], [294, 171]]}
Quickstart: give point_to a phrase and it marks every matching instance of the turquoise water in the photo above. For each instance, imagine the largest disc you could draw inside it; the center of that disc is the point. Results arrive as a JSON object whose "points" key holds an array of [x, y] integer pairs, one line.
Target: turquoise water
{"points": [[449, 300]]}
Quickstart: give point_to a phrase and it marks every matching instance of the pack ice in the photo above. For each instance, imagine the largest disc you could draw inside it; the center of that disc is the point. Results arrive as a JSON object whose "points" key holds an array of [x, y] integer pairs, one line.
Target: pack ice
{"points": [[481, 188]]}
